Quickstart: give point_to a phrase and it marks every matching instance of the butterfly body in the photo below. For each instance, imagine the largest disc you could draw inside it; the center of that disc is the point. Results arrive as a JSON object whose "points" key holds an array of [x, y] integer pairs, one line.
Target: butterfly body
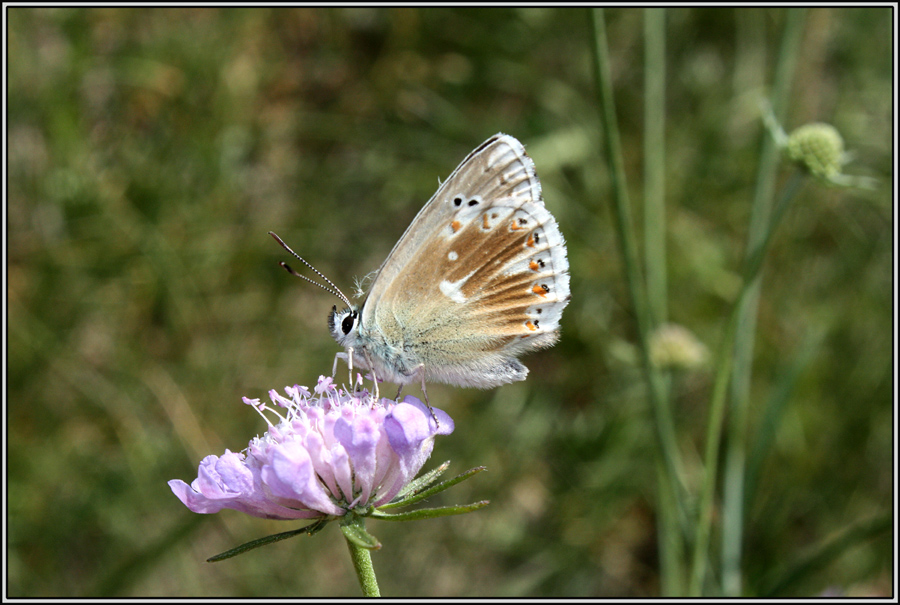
{"points": [[479, 277]]}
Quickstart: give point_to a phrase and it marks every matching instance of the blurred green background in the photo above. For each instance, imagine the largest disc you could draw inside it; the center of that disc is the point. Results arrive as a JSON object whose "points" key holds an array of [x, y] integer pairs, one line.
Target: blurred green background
{"points": [[150, 150]]}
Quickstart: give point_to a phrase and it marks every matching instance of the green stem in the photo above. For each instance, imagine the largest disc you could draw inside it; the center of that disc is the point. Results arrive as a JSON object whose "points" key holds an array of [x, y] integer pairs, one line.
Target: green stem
{"points": [[713, 438], [761, 226], [751, 271], [655, 162], [671, 539], [664, 423], [362, 563]]}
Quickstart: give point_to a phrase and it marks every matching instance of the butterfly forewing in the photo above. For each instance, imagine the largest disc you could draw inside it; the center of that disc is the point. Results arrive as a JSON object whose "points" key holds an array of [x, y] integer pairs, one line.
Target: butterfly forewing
{"points": [[480, 275]]}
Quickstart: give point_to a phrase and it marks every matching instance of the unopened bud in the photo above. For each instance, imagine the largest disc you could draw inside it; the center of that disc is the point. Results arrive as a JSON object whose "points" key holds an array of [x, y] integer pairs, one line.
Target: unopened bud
{"points": [[819, 148], [675, 347]]}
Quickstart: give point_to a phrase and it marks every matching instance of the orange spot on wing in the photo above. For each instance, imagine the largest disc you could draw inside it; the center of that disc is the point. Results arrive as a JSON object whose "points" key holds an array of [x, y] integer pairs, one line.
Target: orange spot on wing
{"points": [[530, 325], [540, 289], [485, 222], [455, 225], [533, 266], [515, 225], [530, 242]]}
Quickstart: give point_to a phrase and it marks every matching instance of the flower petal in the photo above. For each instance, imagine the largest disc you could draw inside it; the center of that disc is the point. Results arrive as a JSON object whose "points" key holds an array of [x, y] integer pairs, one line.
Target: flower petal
{"points": [[411, 429], [359, 437], [290, 475]]}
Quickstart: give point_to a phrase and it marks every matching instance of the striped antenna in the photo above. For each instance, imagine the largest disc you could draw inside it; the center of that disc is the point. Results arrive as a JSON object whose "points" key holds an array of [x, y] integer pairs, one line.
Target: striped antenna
{"points": [[333, 289]]}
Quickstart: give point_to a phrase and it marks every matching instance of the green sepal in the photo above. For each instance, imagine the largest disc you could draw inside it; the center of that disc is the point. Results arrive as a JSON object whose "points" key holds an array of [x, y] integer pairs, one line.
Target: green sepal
{"points": [[309, 530], [430, 513], [355, 532], [417, 497], [422, 482]]}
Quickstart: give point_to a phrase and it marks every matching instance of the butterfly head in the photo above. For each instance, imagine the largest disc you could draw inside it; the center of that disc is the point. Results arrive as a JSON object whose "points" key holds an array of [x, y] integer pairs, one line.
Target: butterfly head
{"points": [[343, 325]]}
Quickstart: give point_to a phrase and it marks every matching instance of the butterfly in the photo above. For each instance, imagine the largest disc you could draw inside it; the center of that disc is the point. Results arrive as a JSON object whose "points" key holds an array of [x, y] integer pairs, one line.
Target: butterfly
{"points": [[479, 278]]}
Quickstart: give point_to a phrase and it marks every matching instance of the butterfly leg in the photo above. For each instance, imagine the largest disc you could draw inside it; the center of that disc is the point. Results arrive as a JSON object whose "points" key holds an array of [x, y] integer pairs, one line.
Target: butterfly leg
{"points": [[349, 358], [371, 370], [421, 373], [350, 363], [337, 356]]}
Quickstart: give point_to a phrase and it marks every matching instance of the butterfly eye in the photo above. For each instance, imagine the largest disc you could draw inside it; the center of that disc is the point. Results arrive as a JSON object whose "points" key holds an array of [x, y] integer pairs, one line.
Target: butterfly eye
{"points": [[348, 322]]}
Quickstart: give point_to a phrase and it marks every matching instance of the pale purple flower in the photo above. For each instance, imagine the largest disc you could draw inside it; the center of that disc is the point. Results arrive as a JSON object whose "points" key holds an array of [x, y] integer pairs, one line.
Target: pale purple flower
{"points": [[329, 453]]}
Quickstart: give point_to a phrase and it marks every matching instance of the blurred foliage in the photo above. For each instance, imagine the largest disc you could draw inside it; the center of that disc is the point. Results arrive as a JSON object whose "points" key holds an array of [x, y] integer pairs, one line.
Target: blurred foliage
{"points": [[149, 152]]}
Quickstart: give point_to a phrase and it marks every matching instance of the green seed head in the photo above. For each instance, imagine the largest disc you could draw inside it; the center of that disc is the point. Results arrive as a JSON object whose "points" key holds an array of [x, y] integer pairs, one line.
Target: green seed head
{"points": [[817, 147], [674, 347]]}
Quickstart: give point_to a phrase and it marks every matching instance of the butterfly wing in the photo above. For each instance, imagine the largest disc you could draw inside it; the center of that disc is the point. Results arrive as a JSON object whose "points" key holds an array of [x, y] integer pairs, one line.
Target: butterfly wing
{"points": [[478, 278]]}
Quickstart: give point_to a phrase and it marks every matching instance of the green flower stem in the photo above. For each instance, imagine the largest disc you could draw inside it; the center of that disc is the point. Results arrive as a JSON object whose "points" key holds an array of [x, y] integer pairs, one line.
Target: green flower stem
{"points": [[760, 229], [713, 438], [752, 267], [362, 561], [671, 540], [665, 426], [655, 162]]}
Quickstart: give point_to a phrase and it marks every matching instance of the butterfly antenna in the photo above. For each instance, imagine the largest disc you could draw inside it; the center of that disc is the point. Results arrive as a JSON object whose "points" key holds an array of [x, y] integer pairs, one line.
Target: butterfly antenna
{"points": [[333, 289]]}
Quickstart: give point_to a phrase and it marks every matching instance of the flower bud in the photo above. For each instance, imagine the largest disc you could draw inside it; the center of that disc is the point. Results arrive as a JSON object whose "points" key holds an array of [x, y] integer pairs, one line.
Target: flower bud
{"points": [[675, 347], [817, 147]]}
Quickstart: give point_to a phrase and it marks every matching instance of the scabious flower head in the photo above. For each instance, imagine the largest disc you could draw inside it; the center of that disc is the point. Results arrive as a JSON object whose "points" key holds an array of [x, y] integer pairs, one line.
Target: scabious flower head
{"points": [[674, 347], [817, 147], [330, 452]]}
